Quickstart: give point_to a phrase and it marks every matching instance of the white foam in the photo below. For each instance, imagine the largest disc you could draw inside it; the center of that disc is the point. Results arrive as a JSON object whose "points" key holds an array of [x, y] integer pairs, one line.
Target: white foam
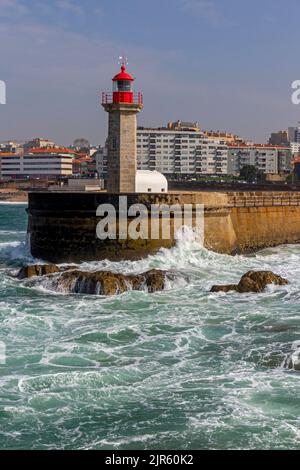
{"points": [[13, 203], [12, 251]]}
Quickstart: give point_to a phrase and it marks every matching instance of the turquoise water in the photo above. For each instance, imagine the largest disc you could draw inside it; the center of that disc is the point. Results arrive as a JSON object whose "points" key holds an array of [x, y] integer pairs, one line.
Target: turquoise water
{"points": [[179, 369]]}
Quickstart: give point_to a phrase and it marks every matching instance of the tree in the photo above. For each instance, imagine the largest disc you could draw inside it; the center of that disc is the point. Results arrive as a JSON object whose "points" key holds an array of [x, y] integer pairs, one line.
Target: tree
{"points": [[81, 143], [249, 173]]}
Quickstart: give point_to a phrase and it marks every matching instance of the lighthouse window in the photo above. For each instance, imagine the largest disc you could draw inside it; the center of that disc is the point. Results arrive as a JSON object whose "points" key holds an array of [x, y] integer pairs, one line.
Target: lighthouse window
{"points": [[124, 85], [114, 143]]}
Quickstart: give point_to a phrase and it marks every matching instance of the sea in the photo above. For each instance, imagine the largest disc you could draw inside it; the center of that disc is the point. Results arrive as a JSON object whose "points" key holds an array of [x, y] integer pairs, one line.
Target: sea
{"points": [[179, 369]]}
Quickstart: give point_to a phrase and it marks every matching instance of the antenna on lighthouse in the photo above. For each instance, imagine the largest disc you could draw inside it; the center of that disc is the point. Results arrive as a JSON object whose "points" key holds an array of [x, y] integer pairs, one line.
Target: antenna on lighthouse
{"points": [[123, 61]]}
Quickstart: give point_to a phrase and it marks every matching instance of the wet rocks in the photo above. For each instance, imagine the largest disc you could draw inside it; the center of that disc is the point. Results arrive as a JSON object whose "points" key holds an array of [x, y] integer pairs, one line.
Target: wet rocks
{"points": [[252, 281], [108, 283], [70, 279], [155, 280], [257, 281], [226, 288], [37, 270]]}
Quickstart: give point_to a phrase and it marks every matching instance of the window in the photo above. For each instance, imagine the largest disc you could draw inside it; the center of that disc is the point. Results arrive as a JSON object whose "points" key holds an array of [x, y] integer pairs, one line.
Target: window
{"points": [[124, 85], [114, 143]]}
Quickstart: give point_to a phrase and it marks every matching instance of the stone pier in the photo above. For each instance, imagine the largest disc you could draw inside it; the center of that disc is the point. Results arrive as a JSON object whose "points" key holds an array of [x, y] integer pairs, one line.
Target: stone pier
{"points": [[62, 226]]}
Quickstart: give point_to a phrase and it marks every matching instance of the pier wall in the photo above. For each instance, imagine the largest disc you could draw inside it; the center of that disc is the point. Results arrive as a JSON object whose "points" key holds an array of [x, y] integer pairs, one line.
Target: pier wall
{"points": [[62, 226]]}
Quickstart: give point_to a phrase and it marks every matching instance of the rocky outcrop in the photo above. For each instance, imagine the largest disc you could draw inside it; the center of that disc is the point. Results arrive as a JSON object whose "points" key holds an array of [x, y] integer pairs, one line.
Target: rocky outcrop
{"points": [[107, 283], [37, 270], [252, 281], [258, 281]]}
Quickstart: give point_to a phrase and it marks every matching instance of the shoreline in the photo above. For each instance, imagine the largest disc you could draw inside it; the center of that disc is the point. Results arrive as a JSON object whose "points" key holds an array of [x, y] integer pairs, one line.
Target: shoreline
{"points": [[3, 203]]}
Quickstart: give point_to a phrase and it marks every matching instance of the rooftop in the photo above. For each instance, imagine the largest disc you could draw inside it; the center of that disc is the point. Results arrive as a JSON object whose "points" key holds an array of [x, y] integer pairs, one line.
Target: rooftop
{"points": [[266, 146]]}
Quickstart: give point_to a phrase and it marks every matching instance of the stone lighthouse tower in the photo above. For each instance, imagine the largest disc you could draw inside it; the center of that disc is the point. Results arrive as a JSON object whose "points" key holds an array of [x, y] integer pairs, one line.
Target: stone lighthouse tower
{"points": [[122, 106]]}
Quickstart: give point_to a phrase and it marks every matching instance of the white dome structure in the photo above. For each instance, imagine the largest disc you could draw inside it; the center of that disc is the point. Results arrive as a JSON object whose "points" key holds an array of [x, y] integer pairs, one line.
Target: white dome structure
{"points": [[147, 181]]}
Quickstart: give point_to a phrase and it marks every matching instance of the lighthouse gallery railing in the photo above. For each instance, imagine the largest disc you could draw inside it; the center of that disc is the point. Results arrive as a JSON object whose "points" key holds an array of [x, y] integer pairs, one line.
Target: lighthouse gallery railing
{"points": [[107, 98]]}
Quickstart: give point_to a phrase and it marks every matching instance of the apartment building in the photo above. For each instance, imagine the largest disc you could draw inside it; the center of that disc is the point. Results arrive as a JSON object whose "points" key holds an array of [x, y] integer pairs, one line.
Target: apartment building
{"points": [[213, 157], [185, 151], [294, 134], [38, 142], [285, 160], [191, 154], [100, 158], [168, 151], [38, 163], [279, 138], [11, 147], [267, 159]]}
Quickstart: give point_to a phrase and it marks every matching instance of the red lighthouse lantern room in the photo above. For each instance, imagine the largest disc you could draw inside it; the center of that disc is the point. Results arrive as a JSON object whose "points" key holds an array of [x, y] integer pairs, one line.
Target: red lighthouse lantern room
{"points": [[122, 87]]}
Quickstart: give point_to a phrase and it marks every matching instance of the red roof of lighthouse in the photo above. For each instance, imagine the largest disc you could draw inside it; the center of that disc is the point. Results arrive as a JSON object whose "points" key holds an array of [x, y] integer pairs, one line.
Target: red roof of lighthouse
{"points": [[123, 75]]}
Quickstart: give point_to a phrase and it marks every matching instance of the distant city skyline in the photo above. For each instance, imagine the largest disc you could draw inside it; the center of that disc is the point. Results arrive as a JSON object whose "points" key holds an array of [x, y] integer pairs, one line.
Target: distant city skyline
{"points": [[228, 65]]}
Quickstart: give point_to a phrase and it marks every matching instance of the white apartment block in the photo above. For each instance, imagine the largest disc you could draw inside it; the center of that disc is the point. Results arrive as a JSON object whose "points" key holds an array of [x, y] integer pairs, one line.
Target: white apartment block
{"points": [[189, 151], [213, 157], [185, 152], [267, 159], [36, 165]]}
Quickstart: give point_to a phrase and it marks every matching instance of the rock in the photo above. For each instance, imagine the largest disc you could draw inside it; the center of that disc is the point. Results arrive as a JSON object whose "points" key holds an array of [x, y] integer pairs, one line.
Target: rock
{"points": [[257, 281], [37, 270], [228, 288], [100, 282], [252, 281], [107, 283], [155, 280]]}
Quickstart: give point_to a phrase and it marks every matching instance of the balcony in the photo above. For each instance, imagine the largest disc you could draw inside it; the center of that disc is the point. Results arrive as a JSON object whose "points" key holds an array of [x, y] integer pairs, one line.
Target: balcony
{"points": [[123, 98]]}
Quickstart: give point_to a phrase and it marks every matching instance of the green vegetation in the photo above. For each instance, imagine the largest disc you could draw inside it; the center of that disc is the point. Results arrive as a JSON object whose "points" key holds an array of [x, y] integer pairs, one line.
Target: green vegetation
{"points": [[249, 173]]}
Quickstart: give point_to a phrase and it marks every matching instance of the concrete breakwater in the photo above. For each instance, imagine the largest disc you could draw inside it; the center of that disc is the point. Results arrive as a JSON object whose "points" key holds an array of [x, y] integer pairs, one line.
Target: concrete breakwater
{"points": [[62, 226]]}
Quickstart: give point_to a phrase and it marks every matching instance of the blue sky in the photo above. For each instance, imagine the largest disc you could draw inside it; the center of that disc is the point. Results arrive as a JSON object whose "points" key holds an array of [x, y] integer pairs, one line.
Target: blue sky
{"points": [[228, 64]]}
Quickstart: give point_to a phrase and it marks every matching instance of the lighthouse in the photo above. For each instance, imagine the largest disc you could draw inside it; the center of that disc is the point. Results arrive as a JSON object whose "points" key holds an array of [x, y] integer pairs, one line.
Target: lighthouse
{"points": [[122, 106]]}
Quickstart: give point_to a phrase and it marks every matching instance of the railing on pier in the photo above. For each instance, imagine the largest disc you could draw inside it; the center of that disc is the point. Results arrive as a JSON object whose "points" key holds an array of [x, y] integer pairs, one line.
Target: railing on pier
{"points": [[263, 200]]}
